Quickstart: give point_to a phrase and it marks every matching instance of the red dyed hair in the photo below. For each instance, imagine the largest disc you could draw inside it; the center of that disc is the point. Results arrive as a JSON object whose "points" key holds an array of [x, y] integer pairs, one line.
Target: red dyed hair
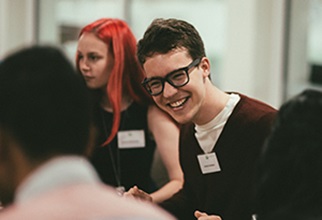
{"points": [[127, 74]]}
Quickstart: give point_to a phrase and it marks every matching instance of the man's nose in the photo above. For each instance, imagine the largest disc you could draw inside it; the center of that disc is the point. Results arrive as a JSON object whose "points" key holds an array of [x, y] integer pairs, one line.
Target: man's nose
{"points": [[169, 90]]}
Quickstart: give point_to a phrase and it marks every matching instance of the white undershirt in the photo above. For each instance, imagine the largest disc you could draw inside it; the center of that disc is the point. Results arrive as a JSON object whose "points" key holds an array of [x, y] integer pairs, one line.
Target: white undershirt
{"points": [[208, 134]]}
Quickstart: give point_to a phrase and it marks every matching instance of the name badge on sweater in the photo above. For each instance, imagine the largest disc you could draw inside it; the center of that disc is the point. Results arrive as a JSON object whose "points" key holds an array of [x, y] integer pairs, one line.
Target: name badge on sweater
{"points": [[131, 139], [208, 163]]}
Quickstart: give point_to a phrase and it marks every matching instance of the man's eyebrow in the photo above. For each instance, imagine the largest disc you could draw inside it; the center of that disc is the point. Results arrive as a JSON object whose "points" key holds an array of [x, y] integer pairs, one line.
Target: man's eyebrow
{"points": [[173, 71], [176, 70]]}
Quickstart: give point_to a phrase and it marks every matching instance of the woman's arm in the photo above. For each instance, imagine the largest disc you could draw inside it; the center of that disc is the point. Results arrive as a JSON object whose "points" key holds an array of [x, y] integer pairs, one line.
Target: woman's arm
{"points": [[166, 134]]}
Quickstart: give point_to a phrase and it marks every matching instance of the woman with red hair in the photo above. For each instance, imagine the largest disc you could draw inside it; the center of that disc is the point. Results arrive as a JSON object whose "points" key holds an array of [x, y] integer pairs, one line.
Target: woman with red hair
{"points": [[129, 124]]}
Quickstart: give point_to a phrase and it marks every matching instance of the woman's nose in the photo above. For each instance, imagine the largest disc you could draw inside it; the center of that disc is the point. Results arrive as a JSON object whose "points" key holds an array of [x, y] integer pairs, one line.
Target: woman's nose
{"points": [[83, 66]]}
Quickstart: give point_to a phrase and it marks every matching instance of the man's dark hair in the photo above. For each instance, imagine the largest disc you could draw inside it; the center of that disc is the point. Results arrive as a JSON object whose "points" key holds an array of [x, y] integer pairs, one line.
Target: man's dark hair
{"points": [[44, 103], [164, 35], [289, 173]]}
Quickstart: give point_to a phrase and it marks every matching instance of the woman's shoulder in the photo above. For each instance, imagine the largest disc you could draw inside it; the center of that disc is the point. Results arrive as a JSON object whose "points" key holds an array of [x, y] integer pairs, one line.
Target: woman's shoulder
{"points": [[157, 115]]}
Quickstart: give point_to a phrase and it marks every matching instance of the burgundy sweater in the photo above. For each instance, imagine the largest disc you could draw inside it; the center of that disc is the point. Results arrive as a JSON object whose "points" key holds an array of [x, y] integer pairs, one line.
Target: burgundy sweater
{"points": [[227, 193]]}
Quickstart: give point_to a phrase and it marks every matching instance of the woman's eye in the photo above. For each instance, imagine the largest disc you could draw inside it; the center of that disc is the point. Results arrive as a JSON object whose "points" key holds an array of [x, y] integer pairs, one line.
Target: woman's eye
{"points": [[93, 57]]}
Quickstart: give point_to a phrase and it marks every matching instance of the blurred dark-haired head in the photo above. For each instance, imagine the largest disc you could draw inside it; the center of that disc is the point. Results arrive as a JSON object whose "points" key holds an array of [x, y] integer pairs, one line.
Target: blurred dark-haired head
{"points": [[289, 175], [44, 103]]}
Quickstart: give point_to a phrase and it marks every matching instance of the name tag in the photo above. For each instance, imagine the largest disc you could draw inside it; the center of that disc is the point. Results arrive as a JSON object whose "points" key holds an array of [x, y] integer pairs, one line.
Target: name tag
{"points": [[208, 163], [131, 139]]}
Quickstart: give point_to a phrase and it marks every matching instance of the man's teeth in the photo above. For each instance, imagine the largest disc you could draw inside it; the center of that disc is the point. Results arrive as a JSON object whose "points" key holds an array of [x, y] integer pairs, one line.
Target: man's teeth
{"points": [[177, 103]]}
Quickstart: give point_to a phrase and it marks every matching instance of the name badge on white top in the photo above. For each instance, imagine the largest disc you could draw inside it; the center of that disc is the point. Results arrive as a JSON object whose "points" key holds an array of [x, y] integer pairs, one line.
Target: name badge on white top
{"points": [[208, 163], [131, 139]]}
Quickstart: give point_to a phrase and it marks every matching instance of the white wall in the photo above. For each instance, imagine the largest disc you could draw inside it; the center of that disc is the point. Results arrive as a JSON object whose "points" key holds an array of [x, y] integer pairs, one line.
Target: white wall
{"points": [[298, 68], [253, 59], [16, 25], [252, 51]]}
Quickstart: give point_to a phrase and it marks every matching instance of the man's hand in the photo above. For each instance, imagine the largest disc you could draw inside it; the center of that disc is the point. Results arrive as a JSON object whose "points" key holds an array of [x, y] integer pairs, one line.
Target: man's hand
{"points": [[204, 216], [138, 194]]}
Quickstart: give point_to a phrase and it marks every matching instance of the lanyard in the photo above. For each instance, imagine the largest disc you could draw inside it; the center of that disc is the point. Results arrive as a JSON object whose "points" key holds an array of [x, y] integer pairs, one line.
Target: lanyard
{"points": [[115, 161]]}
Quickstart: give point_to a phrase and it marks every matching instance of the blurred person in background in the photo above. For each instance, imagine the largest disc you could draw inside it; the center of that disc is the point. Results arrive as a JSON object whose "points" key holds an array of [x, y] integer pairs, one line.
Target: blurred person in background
{"points": [[129, 124], [289, 176]]}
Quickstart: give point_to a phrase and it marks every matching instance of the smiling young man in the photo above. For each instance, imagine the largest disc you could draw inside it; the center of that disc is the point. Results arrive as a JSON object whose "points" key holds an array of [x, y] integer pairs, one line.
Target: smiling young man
{"points": [[221, 134]]}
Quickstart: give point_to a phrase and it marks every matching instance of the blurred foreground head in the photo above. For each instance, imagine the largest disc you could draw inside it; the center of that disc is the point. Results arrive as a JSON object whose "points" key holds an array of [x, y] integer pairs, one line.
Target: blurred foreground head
{"points": [[44, 111], [289, 183]]}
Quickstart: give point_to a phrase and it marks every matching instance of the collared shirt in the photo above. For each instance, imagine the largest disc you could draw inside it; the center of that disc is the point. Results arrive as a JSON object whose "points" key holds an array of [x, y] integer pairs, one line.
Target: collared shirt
{"points": [[58, 172], [67, 187]]}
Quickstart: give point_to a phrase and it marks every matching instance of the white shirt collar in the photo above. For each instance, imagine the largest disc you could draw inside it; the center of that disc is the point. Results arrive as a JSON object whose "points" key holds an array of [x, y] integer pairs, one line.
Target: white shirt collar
{"points": [[57, 172], [208, 134]]}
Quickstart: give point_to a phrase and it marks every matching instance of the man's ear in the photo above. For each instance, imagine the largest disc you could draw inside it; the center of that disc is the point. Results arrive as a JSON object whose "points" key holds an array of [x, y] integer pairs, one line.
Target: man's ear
{"points": [[7, 168], [205, 66], [4, 144], [8, 144]]}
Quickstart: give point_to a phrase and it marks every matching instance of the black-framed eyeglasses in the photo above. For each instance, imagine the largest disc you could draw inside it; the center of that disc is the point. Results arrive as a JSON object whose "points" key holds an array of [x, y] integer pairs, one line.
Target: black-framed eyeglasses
{"points": [[176, 78]]}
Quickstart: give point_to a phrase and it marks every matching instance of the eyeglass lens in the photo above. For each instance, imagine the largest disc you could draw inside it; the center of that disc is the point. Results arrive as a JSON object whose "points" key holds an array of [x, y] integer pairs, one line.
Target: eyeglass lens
{"points": [[177, 78]]}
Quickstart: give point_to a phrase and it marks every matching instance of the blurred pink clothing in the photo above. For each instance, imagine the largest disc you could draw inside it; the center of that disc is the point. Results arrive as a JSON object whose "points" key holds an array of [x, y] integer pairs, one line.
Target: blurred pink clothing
{"points": [[67, 188]]}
